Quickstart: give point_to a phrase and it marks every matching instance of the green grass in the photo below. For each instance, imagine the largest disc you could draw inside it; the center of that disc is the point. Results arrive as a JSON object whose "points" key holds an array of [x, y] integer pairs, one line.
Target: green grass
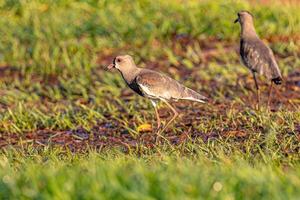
{"points": [[49, 36], [54, 93], [118, 176]]}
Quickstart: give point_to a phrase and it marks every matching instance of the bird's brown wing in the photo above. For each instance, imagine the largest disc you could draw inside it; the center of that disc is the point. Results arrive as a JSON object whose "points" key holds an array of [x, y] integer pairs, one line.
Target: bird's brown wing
{"points": [[156, 85], [259, 58]]}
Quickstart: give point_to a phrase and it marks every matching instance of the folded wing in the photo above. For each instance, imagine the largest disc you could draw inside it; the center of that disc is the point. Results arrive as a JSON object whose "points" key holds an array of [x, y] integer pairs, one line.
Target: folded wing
{"points": [[156, 85], [259, 58]]}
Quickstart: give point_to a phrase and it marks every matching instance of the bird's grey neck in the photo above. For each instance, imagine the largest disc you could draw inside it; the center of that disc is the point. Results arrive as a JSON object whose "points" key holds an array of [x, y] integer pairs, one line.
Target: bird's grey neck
{"points": [[129, 75], [248, 31]]}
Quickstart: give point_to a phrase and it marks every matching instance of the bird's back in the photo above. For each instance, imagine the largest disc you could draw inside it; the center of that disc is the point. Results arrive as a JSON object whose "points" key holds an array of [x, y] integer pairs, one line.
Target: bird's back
{"points": [[258, 57], [157, 85]]}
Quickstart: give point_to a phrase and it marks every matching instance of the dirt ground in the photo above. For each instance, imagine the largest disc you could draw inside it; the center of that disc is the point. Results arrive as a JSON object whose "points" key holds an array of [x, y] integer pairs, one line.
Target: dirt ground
{"points": [[111, 133]]}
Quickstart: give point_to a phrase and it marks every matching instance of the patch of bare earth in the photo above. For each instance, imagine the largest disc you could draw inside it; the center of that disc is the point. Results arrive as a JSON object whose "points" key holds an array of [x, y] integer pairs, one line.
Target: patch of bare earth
{"points": [[111, 133]]}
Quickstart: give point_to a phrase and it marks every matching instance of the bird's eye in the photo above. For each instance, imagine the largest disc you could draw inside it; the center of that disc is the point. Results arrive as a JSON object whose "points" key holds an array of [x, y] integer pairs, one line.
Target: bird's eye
{"points": [[118, 60]]}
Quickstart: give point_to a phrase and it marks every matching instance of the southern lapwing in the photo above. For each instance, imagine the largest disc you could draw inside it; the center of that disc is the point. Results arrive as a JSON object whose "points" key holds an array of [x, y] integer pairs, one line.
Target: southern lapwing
{"points": [[154, 86], [256, 55]]}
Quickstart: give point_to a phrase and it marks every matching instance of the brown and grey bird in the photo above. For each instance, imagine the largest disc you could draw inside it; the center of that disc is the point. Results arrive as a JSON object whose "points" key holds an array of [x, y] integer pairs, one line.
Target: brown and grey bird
{"points": [[154, 85], [256, 55]]}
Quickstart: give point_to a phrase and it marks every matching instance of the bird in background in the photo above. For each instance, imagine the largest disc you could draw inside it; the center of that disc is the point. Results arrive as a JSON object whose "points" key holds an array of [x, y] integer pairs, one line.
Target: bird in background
{"points": [[154, 86], [256, 55]]}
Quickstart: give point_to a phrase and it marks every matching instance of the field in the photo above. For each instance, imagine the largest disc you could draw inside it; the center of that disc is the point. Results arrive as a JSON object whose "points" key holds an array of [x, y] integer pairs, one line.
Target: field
{"points": [[69, 129]]}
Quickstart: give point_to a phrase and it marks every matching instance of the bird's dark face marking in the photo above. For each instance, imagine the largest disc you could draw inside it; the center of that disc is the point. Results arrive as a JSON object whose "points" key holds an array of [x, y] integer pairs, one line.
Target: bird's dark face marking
{"points": [[118, 62], [237, 19], [111, 66], [115, 64], [121, 62]]}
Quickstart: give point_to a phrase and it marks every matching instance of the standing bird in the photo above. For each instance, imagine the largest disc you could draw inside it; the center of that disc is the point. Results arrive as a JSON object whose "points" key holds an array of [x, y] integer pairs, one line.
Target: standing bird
{"points": [[153, 85], [256, 55]]}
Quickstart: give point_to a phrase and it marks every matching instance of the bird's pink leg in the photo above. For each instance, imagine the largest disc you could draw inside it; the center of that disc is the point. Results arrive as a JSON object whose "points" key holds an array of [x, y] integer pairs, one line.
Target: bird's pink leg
{"points": [[270, 93], [174, 116], [157, 118], [257, 91], [158, 122], [157, 131]]}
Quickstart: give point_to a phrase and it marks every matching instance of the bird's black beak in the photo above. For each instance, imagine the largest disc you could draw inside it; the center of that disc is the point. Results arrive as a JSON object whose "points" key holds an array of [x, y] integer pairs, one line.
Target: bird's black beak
{"points": [[237, 20], [111, 66]]}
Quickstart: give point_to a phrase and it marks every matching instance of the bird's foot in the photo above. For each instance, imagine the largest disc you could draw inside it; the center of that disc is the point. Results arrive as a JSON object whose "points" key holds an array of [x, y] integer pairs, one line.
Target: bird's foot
{"points": [[157, 138], [257, 106]]}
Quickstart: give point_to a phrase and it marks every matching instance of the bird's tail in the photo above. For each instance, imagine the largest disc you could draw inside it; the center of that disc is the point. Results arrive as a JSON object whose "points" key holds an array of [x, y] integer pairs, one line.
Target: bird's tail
{"points": [[277, 80], [191, 95]]}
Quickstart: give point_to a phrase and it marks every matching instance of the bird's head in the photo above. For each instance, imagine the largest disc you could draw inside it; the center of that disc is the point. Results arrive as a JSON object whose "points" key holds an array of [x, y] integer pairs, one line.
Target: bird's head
{"points": [[122, 63], [244, 17]]}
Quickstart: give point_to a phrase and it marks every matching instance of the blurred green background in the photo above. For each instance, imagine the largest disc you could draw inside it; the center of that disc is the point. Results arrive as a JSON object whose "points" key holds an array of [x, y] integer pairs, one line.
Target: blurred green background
{"points": [[70, 130]]}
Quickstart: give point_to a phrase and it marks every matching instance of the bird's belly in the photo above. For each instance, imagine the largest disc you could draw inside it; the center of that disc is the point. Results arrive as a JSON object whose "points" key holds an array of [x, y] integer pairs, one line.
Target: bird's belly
{"points": [[245, 63], [155, 94]]}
